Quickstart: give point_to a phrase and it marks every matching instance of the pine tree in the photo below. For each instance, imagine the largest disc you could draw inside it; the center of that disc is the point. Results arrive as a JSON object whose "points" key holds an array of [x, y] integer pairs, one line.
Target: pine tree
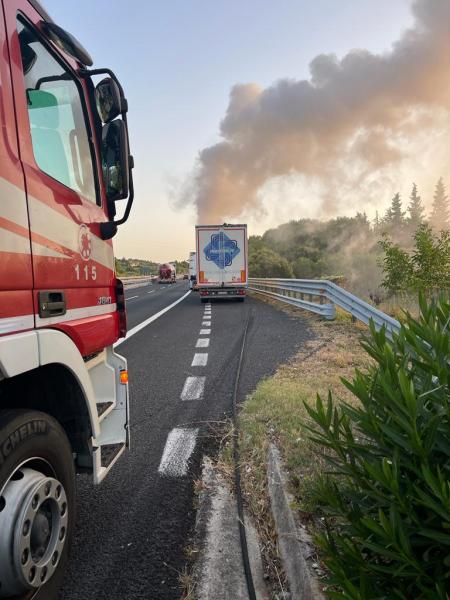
{"points": [[376, 222], [440, 212], [395, 217], [415, 209]]}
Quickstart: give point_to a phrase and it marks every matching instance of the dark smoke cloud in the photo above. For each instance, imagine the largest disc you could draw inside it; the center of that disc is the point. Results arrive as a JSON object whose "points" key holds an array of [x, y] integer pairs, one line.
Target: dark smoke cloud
{"points": [[353, 116]]}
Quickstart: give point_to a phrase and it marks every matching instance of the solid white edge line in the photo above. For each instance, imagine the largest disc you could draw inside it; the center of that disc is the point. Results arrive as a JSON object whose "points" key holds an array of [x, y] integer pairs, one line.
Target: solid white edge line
{"points": [[135, 330]]}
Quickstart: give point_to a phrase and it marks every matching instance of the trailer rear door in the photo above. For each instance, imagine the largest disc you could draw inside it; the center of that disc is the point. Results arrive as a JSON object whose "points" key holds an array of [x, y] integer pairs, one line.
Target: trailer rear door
{"points": [[222, 255]]}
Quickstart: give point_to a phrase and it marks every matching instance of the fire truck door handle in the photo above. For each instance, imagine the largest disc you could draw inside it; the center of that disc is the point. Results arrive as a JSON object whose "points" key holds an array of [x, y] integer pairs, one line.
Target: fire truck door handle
{"points": [[51, 304]]}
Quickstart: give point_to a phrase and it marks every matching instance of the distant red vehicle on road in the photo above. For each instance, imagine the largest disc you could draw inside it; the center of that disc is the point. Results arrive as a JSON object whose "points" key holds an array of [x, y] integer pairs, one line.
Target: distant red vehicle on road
{"points": [[167, 273]]}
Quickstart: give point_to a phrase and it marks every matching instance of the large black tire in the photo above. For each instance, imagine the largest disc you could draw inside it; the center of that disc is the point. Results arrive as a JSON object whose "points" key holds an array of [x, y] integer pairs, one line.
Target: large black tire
{"points": [[203, 300], [48, 442]]}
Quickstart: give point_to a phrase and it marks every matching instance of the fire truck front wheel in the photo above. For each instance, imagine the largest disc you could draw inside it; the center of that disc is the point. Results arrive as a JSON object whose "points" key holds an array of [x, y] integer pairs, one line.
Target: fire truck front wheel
{"points": [[37, 504]]}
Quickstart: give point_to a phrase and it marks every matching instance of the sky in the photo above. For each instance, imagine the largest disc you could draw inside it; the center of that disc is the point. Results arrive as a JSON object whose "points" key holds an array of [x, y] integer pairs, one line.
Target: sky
{"points": [[178, 60]]}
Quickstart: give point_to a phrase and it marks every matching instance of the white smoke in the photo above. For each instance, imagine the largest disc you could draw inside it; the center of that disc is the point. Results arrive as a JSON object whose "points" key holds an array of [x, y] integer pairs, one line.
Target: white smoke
{"points": [[344, 128]]}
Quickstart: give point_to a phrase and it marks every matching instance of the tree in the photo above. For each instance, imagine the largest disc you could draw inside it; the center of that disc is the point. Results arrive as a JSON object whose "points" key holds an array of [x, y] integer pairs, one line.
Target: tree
{"points": [[306, 268], [264, 262], [440, 212], [425, 270], [397, 267], [415, 209], [431, 260], [376, 222], [394, 218]]}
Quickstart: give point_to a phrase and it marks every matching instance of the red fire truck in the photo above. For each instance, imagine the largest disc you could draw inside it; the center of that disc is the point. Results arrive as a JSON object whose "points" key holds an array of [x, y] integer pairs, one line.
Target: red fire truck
{"points": [[64, 162]]}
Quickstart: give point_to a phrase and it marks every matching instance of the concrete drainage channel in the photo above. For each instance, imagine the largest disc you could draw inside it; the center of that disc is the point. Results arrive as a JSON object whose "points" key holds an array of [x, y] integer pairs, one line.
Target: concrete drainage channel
{"points": [[293, 544], [219, 572]]}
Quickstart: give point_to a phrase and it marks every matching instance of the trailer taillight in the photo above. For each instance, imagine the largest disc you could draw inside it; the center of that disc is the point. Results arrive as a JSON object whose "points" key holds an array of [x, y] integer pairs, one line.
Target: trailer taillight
{"points": [[120, 303]]}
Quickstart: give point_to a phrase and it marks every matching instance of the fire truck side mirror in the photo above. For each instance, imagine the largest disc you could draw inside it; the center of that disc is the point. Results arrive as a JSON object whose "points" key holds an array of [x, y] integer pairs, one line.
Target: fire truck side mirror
{"points": [[108, 100], [115, 160]]}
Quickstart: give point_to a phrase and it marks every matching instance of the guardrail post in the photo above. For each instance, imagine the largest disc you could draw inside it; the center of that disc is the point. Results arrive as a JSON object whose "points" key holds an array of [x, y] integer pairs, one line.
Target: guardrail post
{"points": [[332, 312]]}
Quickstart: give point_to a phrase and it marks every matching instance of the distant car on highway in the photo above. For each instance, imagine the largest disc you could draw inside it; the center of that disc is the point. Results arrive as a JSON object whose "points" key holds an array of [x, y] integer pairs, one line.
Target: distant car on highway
{"points": [[185, 276]]}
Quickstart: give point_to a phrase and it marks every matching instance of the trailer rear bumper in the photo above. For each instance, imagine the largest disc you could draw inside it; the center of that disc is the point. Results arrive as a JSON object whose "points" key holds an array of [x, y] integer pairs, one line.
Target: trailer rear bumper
{"points": [[223, 292]]}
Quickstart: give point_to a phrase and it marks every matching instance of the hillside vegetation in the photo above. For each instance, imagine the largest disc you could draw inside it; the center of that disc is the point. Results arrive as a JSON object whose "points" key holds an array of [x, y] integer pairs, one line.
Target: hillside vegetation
{"points": [[129, 267], [392, 255]]}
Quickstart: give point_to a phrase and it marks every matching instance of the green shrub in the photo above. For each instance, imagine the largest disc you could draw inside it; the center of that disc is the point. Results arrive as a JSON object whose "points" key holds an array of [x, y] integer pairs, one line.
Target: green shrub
{"points": [[386, 500]]}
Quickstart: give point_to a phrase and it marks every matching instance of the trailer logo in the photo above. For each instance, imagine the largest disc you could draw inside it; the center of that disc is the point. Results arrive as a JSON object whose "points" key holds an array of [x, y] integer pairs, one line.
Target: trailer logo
{"points": [[84, 242], [221, 250]]}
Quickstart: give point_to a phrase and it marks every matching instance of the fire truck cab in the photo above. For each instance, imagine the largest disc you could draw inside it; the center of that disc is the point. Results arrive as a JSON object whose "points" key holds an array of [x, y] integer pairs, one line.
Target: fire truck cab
{"points": [[64, 163]]}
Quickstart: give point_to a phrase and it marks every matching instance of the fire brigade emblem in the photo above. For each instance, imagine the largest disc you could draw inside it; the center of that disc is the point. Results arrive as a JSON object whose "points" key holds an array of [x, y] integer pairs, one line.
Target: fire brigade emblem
{"points": [[84, 242], [221, 250]]}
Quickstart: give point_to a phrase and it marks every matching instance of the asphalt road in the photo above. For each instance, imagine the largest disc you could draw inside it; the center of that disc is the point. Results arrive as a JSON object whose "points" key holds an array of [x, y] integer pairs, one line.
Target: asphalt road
{"points": [[133, 529]]}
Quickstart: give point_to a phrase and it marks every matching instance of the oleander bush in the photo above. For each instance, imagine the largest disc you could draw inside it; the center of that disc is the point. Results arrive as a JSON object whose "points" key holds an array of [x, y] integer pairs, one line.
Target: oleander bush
{"points": [[386, 498]]}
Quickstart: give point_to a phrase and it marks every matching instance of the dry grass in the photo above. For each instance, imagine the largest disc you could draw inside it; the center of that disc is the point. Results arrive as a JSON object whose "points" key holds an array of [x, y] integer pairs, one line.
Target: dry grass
{"points": [[187, 584], [275, 412]]}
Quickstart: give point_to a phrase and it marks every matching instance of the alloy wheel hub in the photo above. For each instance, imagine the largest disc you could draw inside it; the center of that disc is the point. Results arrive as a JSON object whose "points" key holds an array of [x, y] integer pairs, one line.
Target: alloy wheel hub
{"points": [[33, 523]]}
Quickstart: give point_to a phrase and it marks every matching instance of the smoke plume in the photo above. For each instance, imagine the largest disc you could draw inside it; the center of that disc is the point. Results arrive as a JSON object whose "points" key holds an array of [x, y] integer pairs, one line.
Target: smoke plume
{"points": [[354, 116]]}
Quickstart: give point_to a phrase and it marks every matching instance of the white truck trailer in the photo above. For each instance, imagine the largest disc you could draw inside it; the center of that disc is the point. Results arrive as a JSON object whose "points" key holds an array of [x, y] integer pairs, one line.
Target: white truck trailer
{"points": [[222, 261]]}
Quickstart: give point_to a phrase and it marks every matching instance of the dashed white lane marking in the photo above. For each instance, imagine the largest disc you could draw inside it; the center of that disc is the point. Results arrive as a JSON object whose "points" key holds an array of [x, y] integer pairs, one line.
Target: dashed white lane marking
{"points": [[131, 297], [134, 330], [200, 359], [193, 388], [150, 292], [205, 332], [178, 449], [202, 343], [206, 323]]}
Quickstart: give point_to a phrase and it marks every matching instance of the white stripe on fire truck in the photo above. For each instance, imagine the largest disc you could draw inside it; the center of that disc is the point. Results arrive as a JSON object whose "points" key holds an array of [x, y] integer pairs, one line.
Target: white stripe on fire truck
{"points": [[13, 206], [60, 229], [77, 313], [13, 242], [40, 250], [16, 243], [9, 324], [48, 223]]}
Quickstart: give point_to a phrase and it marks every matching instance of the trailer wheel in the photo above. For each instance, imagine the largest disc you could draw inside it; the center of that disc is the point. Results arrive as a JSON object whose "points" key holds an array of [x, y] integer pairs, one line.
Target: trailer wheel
{"points": [[37, 505]]}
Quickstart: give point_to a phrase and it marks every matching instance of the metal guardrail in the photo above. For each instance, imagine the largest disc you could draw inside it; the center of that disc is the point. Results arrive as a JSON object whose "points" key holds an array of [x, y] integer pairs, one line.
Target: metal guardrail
{"points": [[135, 281], [330, 295]]}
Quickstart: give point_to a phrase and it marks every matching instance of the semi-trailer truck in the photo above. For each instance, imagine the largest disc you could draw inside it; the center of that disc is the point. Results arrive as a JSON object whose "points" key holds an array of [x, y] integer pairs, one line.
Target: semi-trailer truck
{"points": [[167, 273], [222, 270], [64, 162]]}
